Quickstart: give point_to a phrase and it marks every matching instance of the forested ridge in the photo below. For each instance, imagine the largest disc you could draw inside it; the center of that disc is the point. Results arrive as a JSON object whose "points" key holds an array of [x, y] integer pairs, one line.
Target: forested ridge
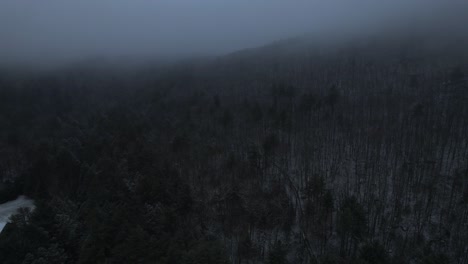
{"points": [[282, 154]]}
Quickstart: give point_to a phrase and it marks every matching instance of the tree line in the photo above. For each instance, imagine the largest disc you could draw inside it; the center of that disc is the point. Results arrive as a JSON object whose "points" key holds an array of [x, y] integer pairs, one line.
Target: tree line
{"points": [[348, 157]]}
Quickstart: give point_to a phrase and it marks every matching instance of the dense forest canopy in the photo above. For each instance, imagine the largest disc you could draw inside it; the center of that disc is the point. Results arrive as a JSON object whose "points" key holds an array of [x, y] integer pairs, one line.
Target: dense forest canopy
{"points": [[289, 153]]}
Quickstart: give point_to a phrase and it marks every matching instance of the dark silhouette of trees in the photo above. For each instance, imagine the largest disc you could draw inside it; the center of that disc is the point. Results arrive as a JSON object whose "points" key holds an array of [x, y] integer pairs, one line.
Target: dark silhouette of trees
{"points": [[353, 156]]}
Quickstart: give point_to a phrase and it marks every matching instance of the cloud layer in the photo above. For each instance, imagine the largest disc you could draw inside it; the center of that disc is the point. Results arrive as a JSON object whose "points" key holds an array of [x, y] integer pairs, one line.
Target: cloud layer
{"points": [[57, 31]]}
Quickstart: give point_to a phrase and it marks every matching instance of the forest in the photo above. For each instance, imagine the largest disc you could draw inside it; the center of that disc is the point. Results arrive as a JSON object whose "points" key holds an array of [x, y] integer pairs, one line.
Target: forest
{"points": [[287, 153]]}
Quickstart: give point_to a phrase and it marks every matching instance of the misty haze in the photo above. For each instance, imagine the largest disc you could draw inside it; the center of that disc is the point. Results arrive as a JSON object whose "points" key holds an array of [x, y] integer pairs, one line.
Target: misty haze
{"points": [[234, 131]]}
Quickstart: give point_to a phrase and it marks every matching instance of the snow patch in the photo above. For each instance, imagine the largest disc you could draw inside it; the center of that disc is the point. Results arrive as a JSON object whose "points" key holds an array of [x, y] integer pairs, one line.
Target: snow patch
{"points": [[9, 208]]}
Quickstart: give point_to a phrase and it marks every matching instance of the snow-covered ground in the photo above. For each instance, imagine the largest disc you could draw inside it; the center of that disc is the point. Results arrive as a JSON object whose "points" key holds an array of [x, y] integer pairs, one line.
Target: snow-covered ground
{"points": [[9, 208]]}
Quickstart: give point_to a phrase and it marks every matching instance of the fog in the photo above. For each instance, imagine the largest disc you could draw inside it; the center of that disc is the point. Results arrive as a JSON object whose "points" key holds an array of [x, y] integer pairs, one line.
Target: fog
{"points": [[52, 32]]}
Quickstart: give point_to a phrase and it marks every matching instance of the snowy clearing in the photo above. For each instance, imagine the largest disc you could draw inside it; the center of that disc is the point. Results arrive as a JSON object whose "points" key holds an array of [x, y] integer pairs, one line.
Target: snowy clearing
{"points": [[9, 208]]}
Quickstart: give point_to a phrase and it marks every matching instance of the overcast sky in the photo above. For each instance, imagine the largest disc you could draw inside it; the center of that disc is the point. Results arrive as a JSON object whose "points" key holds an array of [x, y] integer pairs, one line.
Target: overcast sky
{"points": [[51, 31]]}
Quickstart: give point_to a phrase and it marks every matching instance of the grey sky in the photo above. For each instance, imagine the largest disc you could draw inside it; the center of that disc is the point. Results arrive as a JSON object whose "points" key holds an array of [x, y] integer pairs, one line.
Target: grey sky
{"points": [[51, 31]]}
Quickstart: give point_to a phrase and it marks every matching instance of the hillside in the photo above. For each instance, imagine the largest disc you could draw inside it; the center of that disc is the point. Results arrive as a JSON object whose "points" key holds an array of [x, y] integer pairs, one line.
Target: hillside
{"points": [[295, 152]]}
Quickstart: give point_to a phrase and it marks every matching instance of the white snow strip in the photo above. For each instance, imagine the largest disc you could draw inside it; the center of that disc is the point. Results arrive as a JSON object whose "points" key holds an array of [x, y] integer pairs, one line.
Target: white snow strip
{"points": [[9, 208]]}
